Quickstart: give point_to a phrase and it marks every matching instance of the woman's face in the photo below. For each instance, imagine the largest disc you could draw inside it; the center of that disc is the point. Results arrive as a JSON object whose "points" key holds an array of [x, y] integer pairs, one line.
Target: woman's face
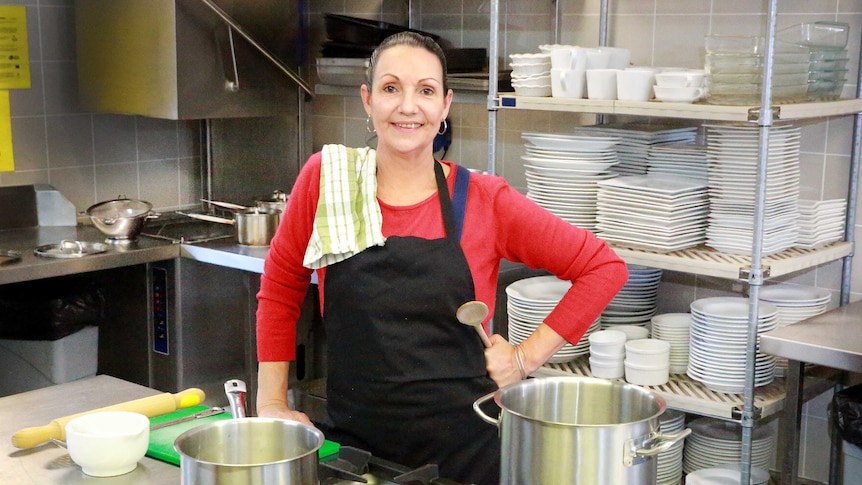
{"points": [[406, 102]]}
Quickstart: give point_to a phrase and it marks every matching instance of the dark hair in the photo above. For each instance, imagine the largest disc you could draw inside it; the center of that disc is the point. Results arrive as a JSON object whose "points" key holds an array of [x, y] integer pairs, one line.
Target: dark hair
{"points": [[410, 39]]}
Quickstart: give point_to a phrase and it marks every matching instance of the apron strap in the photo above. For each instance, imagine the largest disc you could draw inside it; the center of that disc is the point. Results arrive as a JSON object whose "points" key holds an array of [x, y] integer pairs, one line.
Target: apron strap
{"points": [[454, 210]]}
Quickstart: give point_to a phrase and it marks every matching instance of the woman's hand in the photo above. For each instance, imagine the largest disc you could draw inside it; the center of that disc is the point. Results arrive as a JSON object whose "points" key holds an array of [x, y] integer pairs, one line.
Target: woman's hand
{"points": [[501, 359], [283, 412], [501, 362]]}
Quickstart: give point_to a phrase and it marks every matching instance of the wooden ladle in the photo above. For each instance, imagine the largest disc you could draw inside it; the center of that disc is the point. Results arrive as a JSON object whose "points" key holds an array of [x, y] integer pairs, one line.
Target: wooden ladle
{"points": [[473, 313]]}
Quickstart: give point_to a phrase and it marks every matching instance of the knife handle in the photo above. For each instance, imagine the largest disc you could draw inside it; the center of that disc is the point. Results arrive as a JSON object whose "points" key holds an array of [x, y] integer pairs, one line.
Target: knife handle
{"points": [[148, 406]]}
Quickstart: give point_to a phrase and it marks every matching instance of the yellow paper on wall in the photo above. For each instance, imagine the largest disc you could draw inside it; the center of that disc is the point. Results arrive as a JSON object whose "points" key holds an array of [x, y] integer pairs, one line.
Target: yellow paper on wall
{"points": [[7, 159], [14, 55]]}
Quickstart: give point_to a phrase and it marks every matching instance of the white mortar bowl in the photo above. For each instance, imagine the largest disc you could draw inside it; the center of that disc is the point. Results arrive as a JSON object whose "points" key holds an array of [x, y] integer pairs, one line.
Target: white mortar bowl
{"points": [[645, 375], [108, 443], [607, 369]]}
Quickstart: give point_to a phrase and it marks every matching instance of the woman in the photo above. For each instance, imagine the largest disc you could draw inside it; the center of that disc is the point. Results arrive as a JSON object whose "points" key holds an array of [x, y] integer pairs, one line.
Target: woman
{"points": [[402, 372]]}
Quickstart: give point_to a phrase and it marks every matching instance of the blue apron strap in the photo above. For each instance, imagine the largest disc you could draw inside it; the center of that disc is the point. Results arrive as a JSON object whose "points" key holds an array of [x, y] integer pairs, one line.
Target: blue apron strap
{"points": [[459, 198]]}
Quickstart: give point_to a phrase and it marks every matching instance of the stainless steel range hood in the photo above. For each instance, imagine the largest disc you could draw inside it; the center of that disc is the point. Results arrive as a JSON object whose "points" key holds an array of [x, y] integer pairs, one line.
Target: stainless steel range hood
{"points": [[178, 59]]}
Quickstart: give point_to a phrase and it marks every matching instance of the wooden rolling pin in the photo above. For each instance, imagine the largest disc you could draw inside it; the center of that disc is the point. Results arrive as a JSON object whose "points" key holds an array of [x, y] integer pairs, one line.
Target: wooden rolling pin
{"points": [[148, 406]]}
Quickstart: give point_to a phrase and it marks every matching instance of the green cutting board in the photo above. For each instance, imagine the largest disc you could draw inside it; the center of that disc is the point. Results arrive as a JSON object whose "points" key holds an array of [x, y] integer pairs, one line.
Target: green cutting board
{"points": [[162, 440]]}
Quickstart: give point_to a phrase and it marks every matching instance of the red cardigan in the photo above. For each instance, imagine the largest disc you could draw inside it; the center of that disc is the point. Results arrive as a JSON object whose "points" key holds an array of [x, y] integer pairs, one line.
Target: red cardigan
{"points": [[500, 222]]}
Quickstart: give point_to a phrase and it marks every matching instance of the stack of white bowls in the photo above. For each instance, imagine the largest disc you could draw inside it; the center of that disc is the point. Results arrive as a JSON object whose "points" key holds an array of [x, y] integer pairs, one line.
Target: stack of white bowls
{"points": [[531, 74], [647, 362], [607, 354], [674, 328]]}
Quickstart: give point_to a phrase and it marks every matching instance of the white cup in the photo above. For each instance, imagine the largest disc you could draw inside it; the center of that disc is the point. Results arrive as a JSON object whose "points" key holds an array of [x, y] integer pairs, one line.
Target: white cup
{"points": [[597, 58], [680, 79], [602, 83], [635, 84], [619, 57], [567, 83], [561, 56], [675, 94]]}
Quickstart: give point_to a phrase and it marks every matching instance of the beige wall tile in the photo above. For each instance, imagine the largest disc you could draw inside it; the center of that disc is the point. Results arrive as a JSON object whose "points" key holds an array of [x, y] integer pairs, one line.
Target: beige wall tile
{"points": [[77, 184], [160, 183], [117, 179]]}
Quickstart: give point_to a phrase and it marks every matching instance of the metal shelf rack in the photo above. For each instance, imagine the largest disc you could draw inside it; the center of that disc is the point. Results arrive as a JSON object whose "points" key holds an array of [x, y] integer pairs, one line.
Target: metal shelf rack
{"points": [[681, 393]]}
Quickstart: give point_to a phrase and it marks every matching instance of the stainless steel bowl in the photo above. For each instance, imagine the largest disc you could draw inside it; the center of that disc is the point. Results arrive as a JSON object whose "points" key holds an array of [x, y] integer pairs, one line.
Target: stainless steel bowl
{"points": [[122, 220]]}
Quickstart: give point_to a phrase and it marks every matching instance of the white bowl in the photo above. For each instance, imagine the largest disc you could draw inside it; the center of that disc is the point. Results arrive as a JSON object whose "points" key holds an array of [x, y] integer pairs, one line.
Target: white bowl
{"points": [[607, 370], [648, 352], [633, 332], [675, 94], [524, 70], [108, 443], [608, 342], [533, 91], [530, 57], [644, 375]]}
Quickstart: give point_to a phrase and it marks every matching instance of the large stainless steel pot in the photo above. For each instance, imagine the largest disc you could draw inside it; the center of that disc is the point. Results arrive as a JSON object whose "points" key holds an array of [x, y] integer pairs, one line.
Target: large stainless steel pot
{"points": [[249, 451], [578, 431]]}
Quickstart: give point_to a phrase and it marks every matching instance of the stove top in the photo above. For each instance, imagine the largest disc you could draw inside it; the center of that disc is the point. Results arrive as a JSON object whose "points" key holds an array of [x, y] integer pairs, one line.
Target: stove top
{"points": [[353, 466], [180, 228]]}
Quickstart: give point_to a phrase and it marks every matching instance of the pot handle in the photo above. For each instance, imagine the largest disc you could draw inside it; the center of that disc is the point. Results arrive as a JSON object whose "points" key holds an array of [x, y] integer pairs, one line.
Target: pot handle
{"points": [[478, 410], [654, 444]]}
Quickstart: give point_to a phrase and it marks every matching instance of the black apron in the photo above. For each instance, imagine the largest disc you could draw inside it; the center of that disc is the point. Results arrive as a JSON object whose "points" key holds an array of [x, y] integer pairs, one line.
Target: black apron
{"points": [[403, 373]]}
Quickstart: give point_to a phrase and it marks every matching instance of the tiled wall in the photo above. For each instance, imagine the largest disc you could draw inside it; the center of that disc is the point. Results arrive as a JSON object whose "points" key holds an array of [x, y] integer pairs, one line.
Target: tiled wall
{"points": [[659, 33], [92, 157]]}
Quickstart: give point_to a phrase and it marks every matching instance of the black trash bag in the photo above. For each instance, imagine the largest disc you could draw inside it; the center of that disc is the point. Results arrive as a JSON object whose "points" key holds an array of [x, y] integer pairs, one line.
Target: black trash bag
{"points": [[847, 413], [49, 309]]}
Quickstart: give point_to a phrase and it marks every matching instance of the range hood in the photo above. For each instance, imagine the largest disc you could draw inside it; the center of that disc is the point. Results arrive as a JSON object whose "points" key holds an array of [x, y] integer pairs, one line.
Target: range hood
{"points": [[181, 59]]}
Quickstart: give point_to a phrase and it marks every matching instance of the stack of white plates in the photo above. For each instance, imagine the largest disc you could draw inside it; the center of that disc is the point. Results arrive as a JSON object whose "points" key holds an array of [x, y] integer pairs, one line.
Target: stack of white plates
{"points": [[660, 212], [732, 152], [794, 303], [685, 159], [562, 173], [726, 474], [670, 461], [718, 341], [674, 328], [636, 139], [531, 300], [714, 442], [635, 304], [820, 222]]}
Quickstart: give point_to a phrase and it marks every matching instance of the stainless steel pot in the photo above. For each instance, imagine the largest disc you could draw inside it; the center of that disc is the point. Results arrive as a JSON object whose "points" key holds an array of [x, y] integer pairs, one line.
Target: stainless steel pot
{"points": [[121, 219], [254, 226], [275, 201], [578, 431], [249, 451]]}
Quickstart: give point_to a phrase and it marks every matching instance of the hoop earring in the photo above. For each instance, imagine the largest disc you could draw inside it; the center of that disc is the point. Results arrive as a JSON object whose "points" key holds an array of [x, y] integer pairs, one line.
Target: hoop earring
{"points": [[445, 127], [369, 126]]}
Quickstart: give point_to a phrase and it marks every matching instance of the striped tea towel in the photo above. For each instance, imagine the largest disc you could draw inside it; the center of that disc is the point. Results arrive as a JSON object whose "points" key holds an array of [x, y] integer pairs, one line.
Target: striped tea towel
{"points": [[348, 218]]}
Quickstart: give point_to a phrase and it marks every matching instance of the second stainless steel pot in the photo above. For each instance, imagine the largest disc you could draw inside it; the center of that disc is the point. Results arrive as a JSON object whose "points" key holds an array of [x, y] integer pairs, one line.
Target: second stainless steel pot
{"points": [[254, 227], [578, 431]]}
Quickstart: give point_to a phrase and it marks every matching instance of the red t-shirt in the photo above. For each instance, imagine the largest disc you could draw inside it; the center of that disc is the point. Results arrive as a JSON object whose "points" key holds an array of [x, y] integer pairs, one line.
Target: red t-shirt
{"points": [[500, 222]]}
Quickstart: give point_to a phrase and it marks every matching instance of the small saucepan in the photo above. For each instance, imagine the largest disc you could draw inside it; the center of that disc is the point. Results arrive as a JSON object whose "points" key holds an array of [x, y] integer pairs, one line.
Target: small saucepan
{"points": [[277, 200], [254, 226], [243, 451]]}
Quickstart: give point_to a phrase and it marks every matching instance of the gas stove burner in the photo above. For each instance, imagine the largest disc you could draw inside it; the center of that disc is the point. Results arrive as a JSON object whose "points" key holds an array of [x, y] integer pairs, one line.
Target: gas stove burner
{"points": [[353, 465], [182, 229]]}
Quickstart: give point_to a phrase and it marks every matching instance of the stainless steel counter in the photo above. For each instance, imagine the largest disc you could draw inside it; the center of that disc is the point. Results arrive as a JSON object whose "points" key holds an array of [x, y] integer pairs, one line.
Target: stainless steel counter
{"points": [[32, 267], [832, 339], [222, 252], [49, 464]]}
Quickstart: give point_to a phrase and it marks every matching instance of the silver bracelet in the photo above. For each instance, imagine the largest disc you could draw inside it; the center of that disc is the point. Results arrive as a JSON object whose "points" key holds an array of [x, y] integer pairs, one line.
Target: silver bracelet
{"points": [[519, 358]]}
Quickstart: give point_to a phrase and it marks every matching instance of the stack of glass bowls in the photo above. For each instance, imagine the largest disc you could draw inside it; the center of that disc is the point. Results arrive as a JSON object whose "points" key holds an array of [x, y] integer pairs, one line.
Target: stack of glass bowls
{"points": [[734, 68], [827, 45]]}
